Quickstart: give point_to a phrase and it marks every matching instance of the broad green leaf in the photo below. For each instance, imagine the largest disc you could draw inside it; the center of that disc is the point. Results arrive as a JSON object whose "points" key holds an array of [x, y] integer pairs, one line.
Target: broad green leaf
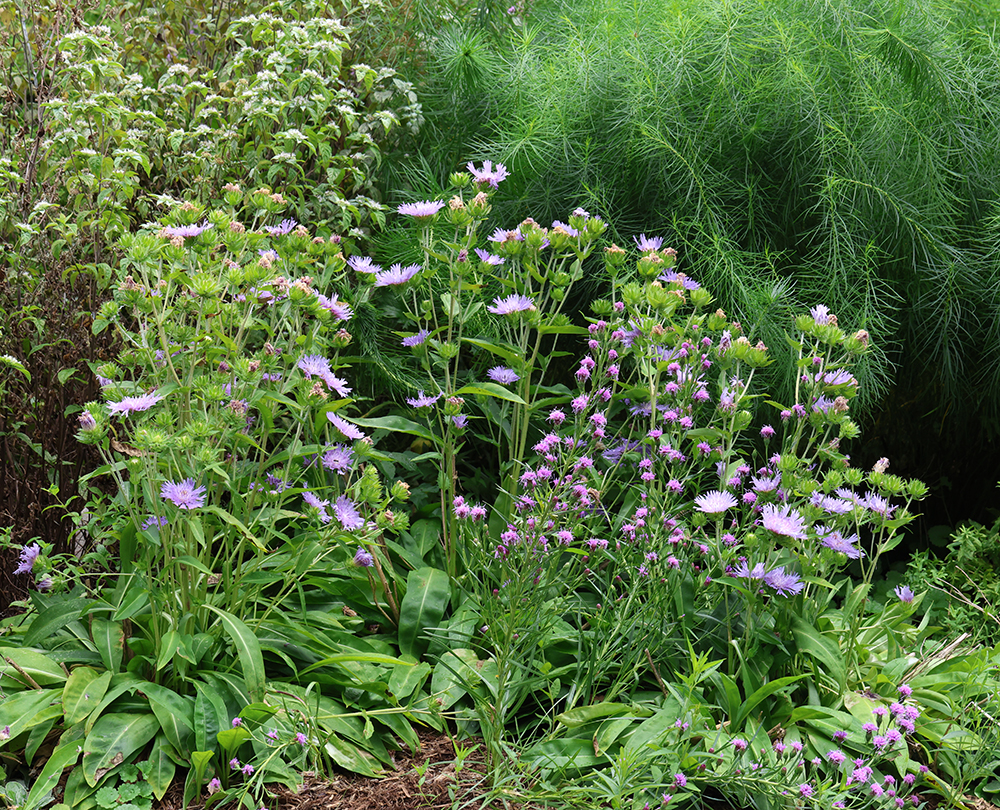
{"points": [[248, 650], [113, 739], [119, 685], [109, 640], [823, 650], [169, 645], [428, 591], [210, 716], [451, 677], [175, 714], [161, 769], [762, 694], [652, 729], [258, 712], [491, 389], [406, 679], [18, 664], [234, 521], [351, 757], [396, 424], [48, 779], [54, 618], [19, 710], [585, 714], [511, 355], [82, 693], [232, 738]]}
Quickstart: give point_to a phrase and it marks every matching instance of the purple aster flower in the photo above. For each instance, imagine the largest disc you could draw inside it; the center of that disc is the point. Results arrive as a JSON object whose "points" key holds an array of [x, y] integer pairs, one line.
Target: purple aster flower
{"points": [[784, 521], [820, 314], [421, 210], [835, 541], [363, 558], [339, 310], [338, 458], [187, 231], [348, 429], [363, 264], [87, 421], [422, 400], [320, 506], [284, 227], [28, 556], [153, 522], [879, 505], [503, 375], [489, 258], [511, 304], [416, 340], [134, 404], [744, 571], [766, 484], [345, 511], [314, 364], [838, 377], [301, 738], [715, 502], [905, 690], [500, 235], [488, 174], [183, 494], [680, 780], [904, 593], [336, 384], [767, 431], [805, 790], [671, 276], [569, 229], [740, 745], [647, 243], [395, 275], [460, 421], [783, 583]]}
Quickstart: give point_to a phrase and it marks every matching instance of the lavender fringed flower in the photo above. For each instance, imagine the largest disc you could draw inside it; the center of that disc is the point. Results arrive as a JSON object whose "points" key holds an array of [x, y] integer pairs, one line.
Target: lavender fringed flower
{"points": [[422, 400], [784, 583], [835, 541], [28, 556], [281, 229], [904, 594], [489, 258], [134, 404], [363, 558], [396, 275], [511, 305], [363, 264], [503, 375], [183, 494], [421, 210], [416, 340], [338, 458], [784, 521], [319, 505], [648, 243], [346, 512], [715, 502], [489, 174], [187, 231], [349, 430]]}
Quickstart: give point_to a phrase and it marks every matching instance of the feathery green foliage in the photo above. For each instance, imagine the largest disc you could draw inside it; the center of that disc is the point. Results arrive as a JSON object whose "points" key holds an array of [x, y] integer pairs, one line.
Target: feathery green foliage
{"points": [[799, 150]]}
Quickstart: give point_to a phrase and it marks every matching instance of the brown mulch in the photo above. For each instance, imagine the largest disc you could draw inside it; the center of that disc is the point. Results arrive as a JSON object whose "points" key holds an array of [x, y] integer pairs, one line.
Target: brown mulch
{"points": [[440, 787]]}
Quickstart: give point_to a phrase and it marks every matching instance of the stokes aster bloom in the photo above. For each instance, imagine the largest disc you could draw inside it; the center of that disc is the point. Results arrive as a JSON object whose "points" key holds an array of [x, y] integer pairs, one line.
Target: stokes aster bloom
{"points": [[784, 521], [134, 404], [183, 494], [488, 175], [345, 511], [489, 258], [503, 375], [647, 243], [422, 400], [904, 594], [28, 556], [363, 558], [416, 340], [346, 428], [395, 275], [785, 584], [511, 304], [363, 264], [715, 502], [421, 210]]}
